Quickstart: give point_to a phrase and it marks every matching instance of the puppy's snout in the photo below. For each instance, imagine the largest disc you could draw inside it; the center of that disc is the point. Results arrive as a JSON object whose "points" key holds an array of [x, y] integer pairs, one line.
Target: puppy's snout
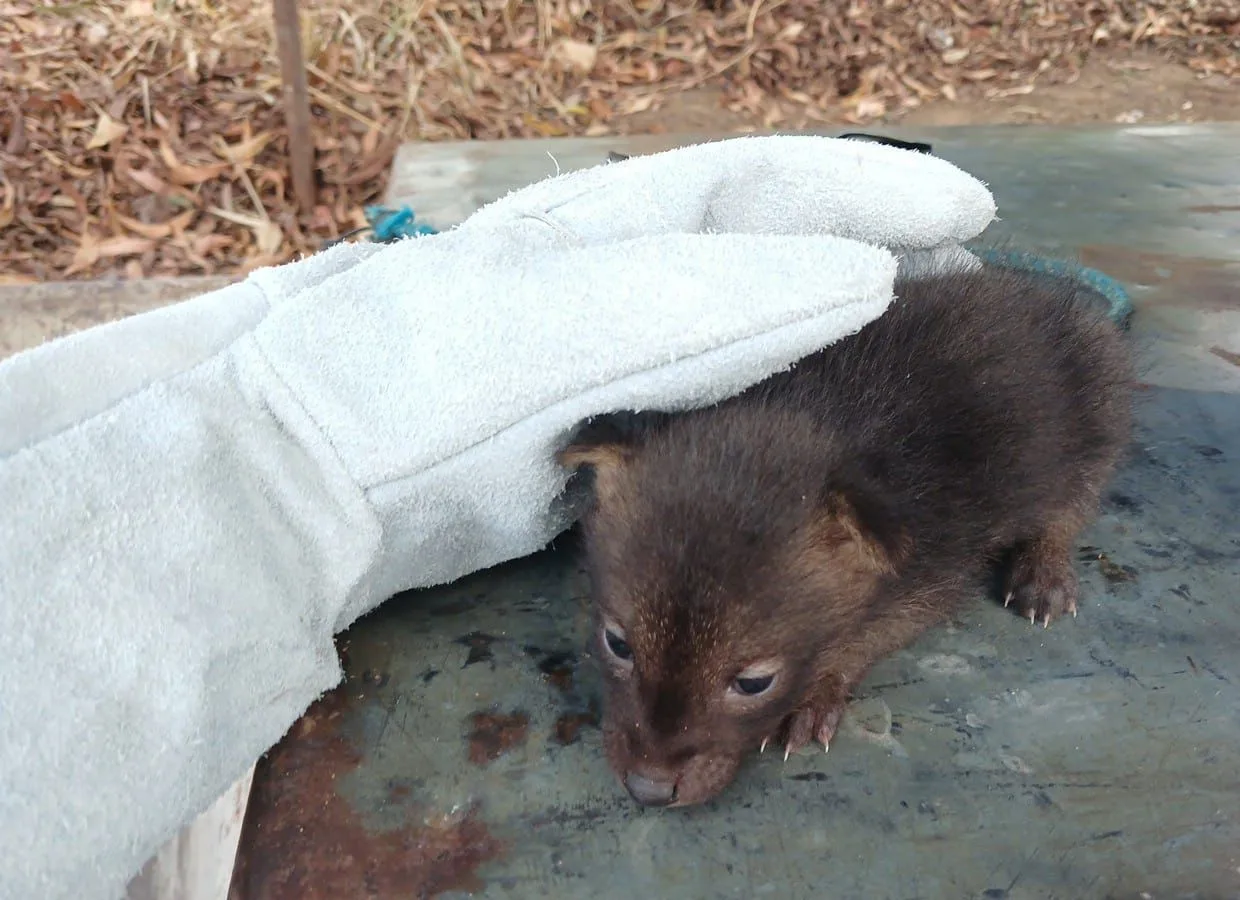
{"points": [[649, 791]]}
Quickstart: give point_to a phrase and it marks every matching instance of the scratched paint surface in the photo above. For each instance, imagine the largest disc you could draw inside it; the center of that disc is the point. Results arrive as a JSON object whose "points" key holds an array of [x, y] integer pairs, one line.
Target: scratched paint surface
{"points": [[1097, 759]]}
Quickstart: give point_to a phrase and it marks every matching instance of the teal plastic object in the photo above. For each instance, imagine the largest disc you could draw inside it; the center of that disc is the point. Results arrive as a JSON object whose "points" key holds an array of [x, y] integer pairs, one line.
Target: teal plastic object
{"points": [[1102, 286], [387, 225], [393, 224]]}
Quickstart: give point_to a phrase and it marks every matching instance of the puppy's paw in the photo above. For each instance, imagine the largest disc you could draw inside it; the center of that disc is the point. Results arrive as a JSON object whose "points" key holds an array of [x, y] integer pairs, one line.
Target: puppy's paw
{"points": [[816, 722], [1041, 584]]}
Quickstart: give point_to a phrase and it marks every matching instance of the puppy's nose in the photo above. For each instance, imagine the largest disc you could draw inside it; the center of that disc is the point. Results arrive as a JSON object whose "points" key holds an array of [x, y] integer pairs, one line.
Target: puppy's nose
{"points": [[649, 792]]}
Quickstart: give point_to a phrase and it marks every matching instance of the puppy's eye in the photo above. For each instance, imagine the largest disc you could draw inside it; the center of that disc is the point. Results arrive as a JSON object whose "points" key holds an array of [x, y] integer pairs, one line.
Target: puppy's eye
{"points": [[752, 686], [618, 646]]}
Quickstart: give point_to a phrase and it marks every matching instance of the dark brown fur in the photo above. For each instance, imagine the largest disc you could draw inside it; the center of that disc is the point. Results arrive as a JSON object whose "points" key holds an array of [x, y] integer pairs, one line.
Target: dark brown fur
{"points": [[827, 516]]}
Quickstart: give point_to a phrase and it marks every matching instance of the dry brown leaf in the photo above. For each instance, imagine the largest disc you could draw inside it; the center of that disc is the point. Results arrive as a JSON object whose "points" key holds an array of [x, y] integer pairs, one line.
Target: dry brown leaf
{"points": [[244, 151], [237, 218], [637, 104], [16, 142], [86, 255], [377, 164], [96, 33], [871, 108], [65, 166], [577, 55], [269, 238], [209, 243], [7, 213], [370, 142], [123, 246], [184, 174], [107, 130], [144, 178], [158, 230], [1018, 91]]}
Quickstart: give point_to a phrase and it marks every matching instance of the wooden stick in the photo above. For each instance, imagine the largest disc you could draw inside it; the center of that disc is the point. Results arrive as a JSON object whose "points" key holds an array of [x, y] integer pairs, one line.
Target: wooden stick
{"points": [[296, 102], [199, 861]]}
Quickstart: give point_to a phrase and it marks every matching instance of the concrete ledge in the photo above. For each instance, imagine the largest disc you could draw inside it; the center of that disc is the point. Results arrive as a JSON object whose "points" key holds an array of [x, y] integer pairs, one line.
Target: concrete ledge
{"points": [[446, 182], [33, 314]]}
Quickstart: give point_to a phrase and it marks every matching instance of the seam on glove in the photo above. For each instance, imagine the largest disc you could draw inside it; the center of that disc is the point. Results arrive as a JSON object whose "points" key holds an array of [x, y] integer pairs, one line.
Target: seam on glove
{"points": [[295, 397], [561, 230]]}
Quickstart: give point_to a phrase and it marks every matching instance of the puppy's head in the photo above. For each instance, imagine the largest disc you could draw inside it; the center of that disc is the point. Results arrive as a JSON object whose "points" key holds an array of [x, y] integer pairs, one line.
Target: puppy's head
{"points": [[726, 561]]}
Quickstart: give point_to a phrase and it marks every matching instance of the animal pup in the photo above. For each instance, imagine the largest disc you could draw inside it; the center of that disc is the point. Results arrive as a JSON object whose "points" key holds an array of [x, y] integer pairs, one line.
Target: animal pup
{"points": [[750, 561]]}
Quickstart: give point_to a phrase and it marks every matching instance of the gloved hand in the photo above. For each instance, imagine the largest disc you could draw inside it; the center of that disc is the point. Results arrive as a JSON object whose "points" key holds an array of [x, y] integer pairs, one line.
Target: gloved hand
{"points": [[196, 499]]}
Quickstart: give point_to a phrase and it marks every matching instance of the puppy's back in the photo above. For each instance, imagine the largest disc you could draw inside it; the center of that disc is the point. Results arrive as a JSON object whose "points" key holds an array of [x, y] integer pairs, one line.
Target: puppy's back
{"points": [[978, 409], [974, 396]]}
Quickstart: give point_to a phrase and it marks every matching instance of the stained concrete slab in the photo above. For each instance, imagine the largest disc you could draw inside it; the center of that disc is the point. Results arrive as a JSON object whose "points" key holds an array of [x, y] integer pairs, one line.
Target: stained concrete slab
{"points": [[1097, 759], [33, 314]]}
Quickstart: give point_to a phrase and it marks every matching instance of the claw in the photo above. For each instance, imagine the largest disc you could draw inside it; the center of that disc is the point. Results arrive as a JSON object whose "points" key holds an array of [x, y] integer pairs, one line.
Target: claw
{"points": [[1046, 621], [826, 748], [1032, 616], [787, 753], [765, 741], [1007, 601], [1074, 612]]}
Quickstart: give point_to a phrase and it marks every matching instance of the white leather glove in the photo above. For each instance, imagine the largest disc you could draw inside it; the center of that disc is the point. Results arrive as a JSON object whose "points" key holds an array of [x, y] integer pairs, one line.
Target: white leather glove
{"points": [[196, 499]]}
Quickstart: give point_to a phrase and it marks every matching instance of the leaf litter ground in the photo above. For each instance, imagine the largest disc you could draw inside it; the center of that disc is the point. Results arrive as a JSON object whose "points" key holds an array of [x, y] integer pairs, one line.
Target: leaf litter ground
{"points": [[145, 138]]}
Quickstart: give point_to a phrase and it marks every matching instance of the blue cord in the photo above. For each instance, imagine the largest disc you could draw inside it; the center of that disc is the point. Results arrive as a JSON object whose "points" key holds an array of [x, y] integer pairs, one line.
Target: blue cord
{"points": [[1117, 299]]}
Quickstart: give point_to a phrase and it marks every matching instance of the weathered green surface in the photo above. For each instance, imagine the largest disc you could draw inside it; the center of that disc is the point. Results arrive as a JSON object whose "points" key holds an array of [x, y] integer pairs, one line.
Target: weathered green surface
{"points": [[1097, 759]]}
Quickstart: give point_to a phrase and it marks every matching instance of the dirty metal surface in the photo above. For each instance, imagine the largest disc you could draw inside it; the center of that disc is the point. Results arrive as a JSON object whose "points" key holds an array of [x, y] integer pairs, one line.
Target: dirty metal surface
{"points": [[1097, 759]]}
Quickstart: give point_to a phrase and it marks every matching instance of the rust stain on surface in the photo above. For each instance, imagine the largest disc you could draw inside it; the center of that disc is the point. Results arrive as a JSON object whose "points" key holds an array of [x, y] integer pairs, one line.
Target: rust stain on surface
{"points": [[1113, 572], [303, 841], [568, 726], [479, 644], [558, 668], [494, 734], [1199, 282]]}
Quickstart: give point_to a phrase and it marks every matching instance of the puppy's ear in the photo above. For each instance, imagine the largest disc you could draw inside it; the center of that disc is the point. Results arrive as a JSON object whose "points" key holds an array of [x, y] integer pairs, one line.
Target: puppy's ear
{"points": [[604, 447], [594, 456], [858, 529], [605, 462]]}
